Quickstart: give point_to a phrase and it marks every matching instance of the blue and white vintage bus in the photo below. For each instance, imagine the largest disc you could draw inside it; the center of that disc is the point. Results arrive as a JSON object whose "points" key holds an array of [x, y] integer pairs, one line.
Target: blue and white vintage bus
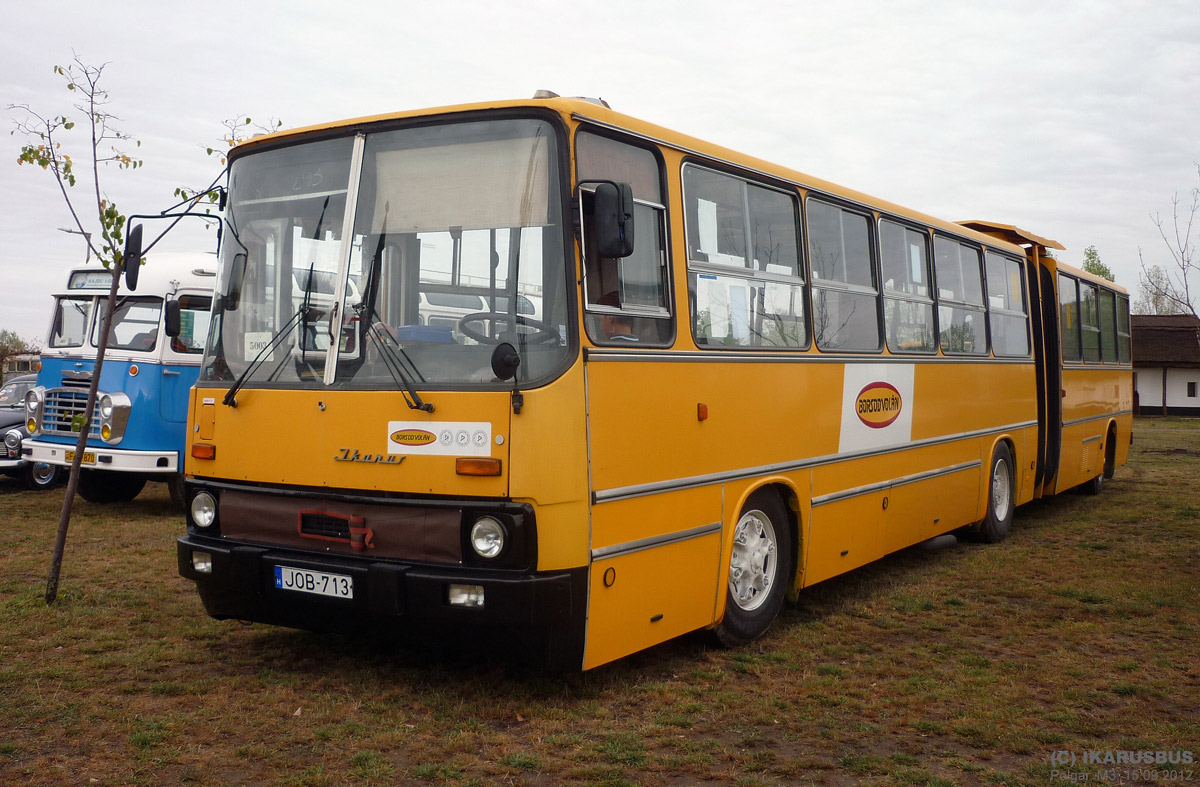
{"points": [[152, 359]]}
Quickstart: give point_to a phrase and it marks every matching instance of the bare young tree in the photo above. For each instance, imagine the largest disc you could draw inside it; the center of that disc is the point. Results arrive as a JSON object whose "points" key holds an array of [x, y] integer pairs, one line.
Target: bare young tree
{"points": [[1171, 289], [45, 149]]}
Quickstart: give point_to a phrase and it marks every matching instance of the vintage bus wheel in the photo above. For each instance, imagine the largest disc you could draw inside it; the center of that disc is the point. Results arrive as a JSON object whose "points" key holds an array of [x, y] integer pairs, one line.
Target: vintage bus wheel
{"points": [[758, 570], [994, 527], [40, 475], [106, 486]]}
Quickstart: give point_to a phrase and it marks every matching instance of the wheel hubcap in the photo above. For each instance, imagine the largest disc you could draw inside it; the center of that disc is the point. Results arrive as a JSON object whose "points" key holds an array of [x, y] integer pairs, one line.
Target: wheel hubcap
{"points": [[753, 566], [1001, 489], [43, 473]]}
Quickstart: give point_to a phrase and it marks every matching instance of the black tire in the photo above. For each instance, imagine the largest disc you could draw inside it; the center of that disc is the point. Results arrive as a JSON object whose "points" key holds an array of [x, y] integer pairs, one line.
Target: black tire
{"points": [[107, 486], [759, 568], [40, 475], [1095, 486], [177, 492], [1001, 490], [1110, 454]]}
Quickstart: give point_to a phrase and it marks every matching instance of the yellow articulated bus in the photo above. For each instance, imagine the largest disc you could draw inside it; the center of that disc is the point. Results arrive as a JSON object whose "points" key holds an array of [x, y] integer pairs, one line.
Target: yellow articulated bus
{"points": [[542, 370]]}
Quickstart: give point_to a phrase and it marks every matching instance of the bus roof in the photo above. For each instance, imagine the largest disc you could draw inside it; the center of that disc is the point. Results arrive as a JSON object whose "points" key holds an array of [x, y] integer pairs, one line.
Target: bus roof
{"points": [[162, 273], [591, 110]]}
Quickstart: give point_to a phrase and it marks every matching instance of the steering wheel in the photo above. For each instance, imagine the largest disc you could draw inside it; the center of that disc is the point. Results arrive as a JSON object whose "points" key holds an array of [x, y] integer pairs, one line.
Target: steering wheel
{"points": [[541, 333]]}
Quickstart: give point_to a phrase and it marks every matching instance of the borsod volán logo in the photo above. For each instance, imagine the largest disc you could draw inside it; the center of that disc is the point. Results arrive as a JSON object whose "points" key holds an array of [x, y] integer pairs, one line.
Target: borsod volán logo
{"points": [[878, 404], [412, 437]]}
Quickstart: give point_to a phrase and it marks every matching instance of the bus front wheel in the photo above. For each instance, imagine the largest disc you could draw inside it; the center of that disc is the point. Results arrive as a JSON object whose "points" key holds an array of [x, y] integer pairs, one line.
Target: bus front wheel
{"points": [[994, 527], [758, 563]]}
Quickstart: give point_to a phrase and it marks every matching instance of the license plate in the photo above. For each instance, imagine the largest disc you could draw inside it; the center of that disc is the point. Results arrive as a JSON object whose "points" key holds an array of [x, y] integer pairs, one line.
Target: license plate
{"points": [[89, 457], [318, 583]]}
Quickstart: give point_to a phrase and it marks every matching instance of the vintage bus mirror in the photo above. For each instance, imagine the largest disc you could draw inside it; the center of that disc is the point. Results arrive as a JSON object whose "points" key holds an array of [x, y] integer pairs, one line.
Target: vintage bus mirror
{"points": [[173, 319], [505, 361], [614, 219], [133, 256]]}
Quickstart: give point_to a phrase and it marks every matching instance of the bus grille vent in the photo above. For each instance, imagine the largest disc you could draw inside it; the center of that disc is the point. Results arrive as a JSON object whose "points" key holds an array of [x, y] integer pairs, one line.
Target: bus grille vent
{"points": [[324, 526], [63, 408]]}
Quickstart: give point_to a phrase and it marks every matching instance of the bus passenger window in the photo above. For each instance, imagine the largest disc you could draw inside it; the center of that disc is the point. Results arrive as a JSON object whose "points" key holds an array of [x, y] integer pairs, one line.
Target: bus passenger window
{"points": [[743, 295], [908, 303], [845, 311], [1006, 306], [960, 297], [1123, 345], [1068, 318], [627, 300], [1089, 322], [1108, 326]]}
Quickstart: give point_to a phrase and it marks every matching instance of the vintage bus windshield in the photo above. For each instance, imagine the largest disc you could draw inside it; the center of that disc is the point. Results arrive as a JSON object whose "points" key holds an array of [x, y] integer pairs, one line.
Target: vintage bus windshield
{"points": [[451, 226]]}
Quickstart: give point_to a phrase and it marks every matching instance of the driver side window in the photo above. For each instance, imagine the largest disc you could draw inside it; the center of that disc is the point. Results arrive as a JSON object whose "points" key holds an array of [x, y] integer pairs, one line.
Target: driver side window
{"points": [[627, 300]]}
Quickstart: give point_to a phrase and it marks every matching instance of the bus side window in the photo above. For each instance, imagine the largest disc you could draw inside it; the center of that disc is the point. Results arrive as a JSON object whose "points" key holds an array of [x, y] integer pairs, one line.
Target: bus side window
{"points": [[908, 303], [960, 297], [1068, 318], [627, 300], [193, 324], [845, 295]]}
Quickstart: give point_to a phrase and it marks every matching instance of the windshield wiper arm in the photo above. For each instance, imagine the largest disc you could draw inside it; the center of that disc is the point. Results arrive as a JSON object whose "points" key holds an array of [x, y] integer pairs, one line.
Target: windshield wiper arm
{"points": [[394, 366], [276, 340]]}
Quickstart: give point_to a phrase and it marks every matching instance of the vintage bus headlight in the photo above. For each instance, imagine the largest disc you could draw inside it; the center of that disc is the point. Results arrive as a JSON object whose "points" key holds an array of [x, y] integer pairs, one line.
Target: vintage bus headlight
{"points": [[488, 537], [33, 409], [113, 413], [204, 509]]}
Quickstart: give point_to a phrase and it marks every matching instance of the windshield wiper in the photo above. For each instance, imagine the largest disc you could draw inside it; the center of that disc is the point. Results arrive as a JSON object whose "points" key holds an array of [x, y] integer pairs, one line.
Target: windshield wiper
{"points": [[276, 340], [394, 366]]}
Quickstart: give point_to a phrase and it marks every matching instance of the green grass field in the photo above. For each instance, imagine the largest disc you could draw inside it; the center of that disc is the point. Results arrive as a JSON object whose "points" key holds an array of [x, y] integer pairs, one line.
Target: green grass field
{"points": [[968, 666]]}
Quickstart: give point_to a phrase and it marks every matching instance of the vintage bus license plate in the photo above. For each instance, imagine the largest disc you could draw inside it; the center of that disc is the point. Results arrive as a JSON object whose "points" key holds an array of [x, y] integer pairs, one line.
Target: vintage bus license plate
{"points": [[316, 582], [89, 457]]}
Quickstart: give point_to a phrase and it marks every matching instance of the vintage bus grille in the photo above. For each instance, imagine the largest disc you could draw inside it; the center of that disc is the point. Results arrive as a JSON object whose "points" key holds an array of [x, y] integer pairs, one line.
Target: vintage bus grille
{"points": [[62, 407], [324, 526]]}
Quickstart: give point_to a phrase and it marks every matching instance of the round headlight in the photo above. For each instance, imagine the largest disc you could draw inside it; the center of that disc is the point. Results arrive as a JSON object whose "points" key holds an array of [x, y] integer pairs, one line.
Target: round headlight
{"points": [[487, 537], [204, 509], [106, 407], [105, 432], [31, 425], [31, 401], [12, 440]]}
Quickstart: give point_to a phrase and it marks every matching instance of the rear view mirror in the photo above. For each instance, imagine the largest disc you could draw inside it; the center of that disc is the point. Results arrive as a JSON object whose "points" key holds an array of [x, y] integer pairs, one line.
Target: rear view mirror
{"points": [[173, 320], [133, 256], [614, 219]]}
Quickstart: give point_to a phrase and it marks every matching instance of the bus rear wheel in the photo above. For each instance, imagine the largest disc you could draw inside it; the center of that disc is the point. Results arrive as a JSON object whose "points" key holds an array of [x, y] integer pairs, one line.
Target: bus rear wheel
{"points": [[994, 527], [107, 486], [758, 570]]}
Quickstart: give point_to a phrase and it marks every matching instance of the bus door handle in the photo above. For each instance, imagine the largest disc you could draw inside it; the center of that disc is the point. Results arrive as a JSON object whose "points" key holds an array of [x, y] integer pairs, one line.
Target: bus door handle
{"points": [[169, 371]]}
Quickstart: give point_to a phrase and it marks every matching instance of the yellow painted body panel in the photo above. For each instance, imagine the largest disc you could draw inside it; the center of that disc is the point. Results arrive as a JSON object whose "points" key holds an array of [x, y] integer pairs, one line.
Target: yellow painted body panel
{"points": [[296, 437], [655, 594], [1095, 399]]}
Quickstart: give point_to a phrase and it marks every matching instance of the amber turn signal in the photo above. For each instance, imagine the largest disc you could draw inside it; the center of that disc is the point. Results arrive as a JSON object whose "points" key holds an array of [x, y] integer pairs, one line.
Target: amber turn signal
{"points": [[474, 466], [204, 451]]}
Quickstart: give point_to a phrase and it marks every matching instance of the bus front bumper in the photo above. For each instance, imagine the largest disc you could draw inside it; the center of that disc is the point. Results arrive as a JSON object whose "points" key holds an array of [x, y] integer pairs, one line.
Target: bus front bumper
{"points": [[103, 458], [542, 614]]}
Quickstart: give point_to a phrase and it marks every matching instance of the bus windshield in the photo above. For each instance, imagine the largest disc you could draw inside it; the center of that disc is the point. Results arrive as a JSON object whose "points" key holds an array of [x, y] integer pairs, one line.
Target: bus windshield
{"points": [[71, 319], [454, 243], [134, 325]]}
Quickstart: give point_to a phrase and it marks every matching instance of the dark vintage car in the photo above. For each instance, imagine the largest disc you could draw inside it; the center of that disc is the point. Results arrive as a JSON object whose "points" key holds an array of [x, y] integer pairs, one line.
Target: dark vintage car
{"points": [[37, 475]]}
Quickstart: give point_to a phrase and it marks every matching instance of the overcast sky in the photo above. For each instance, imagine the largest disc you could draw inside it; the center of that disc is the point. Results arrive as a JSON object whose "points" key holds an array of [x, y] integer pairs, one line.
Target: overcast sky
{"points": [[1074, 120]]}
